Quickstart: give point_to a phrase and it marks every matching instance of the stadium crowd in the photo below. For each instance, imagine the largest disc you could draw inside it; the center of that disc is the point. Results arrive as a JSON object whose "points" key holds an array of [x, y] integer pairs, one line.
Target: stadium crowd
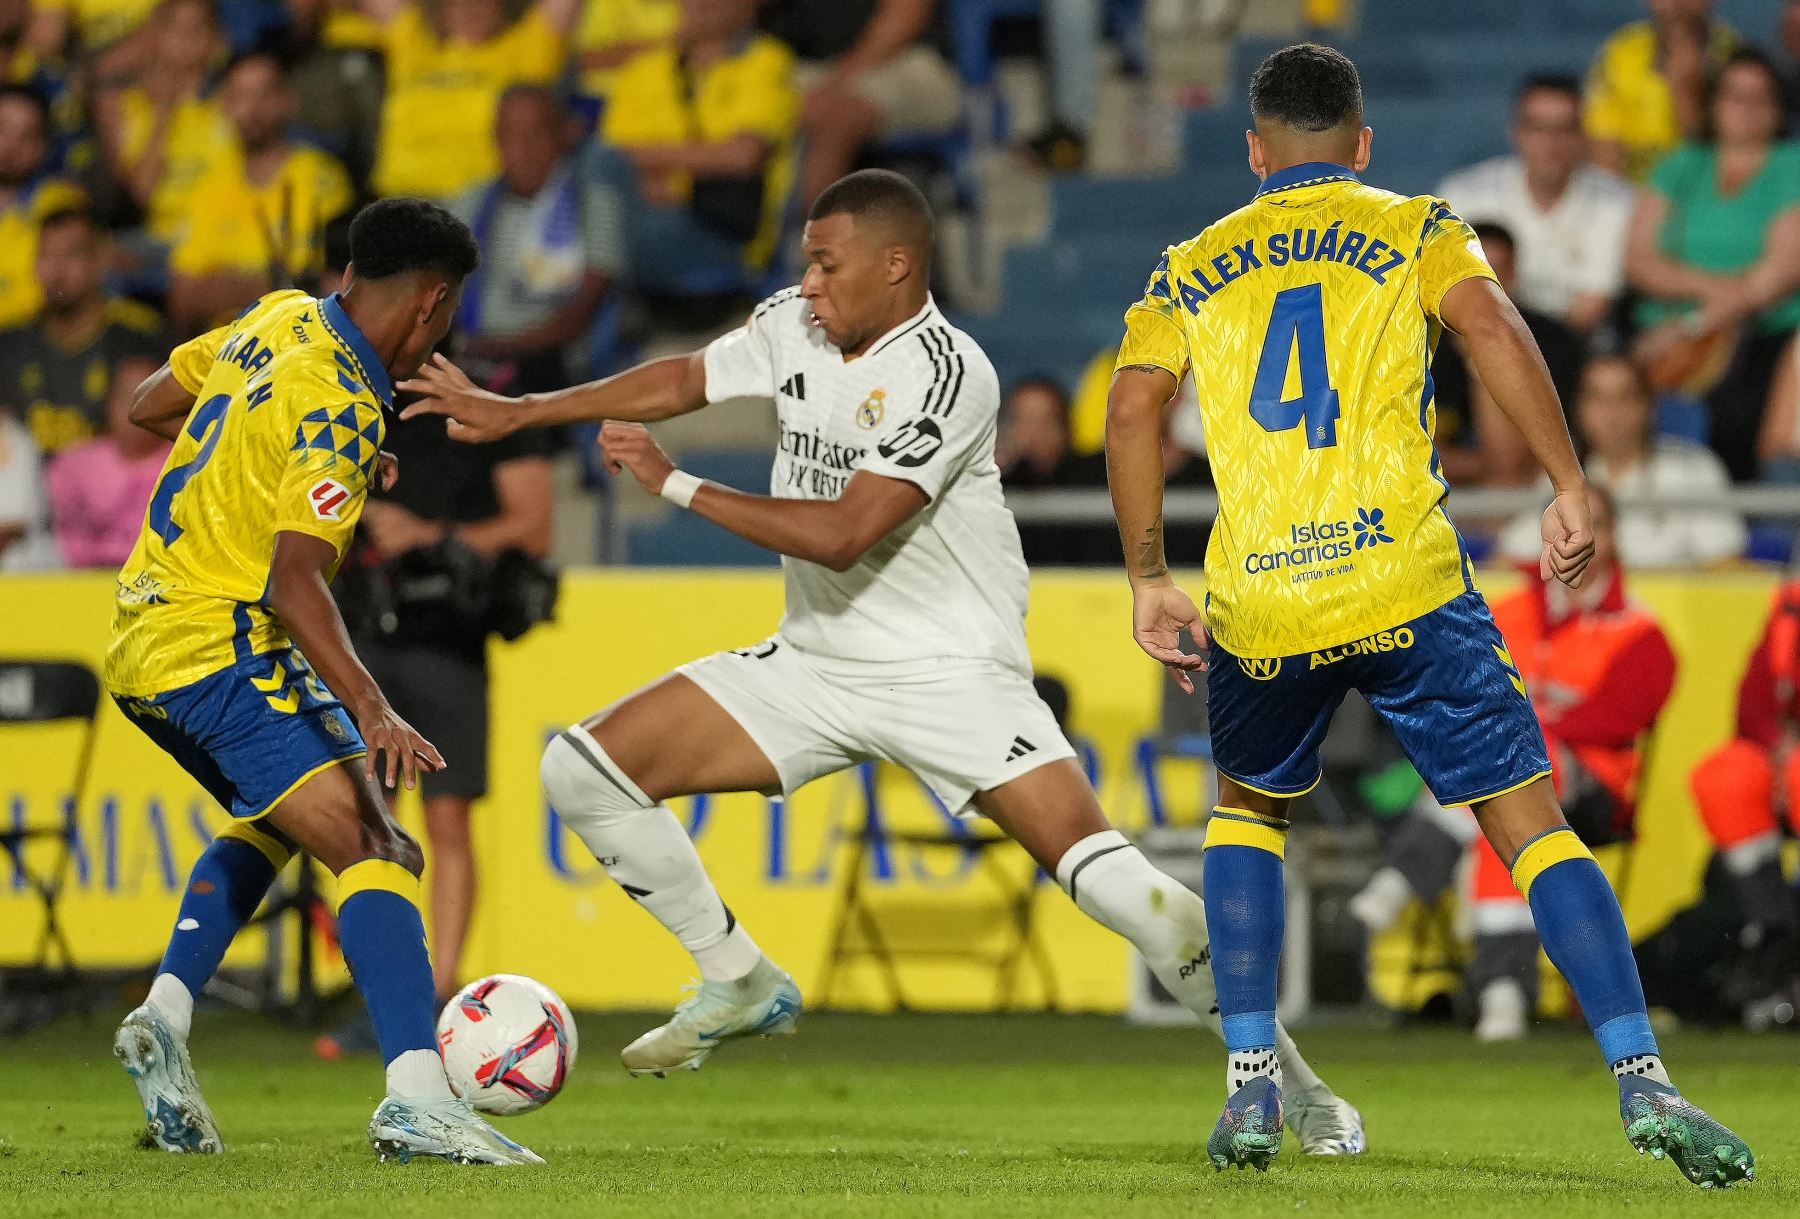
{"points": [[634, 166]]}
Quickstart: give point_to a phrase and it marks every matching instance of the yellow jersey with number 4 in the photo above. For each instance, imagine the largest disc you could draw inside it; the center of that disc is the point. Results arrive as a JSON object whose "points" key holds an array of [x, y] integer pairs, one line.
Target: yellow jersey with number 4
{"points": [[285, 434], [1309, 318]]}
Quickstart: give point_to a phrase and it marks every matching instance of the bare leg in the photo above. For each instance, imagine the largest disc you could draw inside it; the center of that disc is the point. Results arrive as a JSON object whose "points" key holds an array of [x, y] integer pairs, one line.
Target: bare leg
{"points": [[452, 887], [836, 122]]}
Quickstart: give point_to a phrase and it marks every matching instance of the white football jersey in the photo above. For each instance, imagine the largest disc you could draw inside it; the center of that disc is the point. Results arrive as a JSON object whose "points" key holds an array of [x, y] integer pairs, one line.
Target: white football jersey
{"points": [[922, 404]]}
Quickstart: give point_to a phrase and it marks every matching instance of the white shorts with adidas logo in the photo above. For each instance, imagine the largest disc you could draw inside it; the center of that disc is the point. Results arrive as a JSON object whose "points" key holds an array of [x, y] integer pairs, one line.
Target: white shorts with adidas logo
{"points": [[962, 726]]}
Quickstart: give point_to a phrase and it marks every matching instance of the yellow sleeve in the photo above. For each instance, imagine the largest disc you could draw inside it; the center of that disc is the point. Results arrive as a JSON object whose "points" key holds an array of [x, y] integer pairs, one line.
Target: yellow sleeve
{"points": [[767, 105], [193, 360], [534, 47], [1449, 252], [1153, 336], [407, 41], [1605, 113], [654, 115], [330, 467], [335, 192], [206, 246]]}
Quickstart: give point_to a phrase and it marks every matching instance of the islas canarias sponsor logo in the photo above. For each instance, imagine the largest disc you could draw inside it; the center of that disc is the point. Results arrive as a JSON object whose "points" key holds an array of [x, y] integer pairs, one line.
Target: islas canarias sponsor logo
{"points": [[1313, 542], [1381, 641]]}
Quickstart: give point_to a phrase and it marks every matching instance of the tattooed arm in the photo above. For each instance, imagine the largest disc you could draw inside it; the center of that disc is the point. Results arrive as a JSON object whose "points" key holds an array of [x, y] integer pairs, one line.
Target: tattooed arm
{"points": [[1134, 471]]}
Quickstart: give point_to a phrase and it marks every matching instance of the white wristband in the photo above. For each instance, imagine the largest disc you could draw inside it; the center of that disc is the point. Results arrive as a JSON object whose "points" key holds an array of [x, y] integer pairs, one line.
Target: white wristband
{"points": [[679, 488]]}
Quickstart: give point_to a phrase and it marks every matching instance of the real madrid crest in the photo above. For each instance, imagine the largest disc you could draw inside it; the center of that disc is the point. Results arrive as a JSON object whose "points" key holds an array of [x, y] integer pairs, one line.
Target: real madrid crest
{"points": [[869, 414]]}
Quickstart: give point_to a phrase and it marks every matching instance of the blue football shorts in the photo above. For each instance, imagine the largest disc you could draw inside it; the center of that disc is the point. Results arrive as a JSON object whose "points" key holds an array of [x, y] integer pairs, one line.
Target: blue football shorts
{"points": [[252, 733], [1444, 683]]}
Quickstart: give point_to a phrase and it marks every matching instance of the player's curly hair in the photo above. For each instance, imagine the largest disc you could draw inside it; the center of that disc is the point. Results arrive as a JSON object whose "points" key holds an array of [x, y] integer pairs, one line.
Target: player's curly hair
{"points": [[1307, 87], [394, 236]]}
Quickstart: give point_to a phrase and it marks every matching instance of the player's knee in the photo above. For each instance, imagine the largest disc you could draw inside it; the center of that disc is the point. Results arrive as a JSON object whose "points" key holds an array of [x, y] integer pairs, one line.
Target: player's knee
{"points": [[397, 846], [585, 786], [1734, 788]]}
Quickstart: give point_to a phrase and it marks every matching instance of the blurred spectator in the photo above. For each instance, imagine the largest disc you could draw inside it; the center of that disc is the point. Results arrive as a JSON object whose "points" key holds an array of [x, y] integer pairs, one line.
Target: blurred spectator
{"points": [[1478, 443], [21, 64], [1778, 447], [1033, 453], [337, 80], [100, 488], [28, 193], [611, 35], [552, 248], [709, 131], [56, 371], [25, 541], [1568, 217], [447, 65], [1715, 250], [1600, 670], [1646, 89], [258, 218], [463, 520], [1072, 34], [163, 132], [869, 68], [1787, 52], [1657, 478], [1745, 790]]}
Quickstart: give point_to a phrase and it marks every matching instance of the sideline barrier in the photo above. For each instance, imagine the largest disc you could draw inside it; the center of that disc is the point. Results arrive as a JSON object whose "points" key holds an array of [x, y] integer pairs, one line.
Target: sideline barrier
{"points": [[548, 911]]}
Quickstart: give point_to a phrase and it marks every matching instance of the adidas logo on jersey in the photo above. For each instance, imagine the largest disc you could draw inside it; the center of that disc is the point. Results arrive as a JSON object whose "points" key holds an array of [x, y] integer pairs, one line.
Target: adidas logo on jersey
{"points": [[795, 387], [1020, 747]]}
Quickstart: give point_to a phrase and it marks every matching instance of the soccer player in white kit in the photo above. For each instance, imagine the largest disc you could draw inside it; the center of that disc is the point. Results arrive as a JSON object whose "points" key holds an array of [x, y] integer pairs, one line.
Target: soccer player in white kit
{"points": [[904, 638]]}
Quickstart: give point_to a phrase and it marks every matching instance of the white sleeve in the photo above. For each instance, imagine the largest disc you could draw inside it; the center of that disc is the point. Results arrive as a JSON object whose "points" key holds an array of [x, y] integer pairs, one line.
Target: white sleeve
{"points": [[946, 425], [742, 364], [21, 481]]}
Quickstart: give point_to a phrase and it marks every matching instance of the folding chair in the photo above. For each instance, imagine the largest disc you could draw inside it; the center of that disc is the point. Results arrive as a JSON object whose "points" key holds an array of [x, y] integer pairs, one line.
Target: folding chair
{"points": [[858, 934], [43, 692]]}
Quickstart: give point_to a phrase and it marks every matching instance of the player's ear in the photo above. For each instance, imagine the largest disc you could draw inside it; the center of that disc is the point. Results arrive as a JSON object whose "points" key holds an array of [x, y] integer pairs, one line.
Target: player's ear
{"points": [[435, 297], [899, 264], [1259, 158], [1365, 140]]}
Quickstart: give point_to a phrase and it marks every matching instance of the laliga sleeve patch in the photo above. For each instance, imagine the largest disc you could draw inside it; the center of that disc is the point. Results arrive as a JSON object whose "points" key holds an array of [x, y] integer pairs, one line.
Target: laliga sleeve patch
{"points": [[328, 497], [913, 443]]}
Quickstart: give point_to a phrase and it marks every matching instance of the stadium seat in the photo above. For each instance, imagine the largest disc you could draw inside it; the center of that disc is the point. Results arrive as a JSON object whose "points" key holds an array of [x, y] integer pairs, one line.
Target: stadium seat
{"points": [[681, 539]]}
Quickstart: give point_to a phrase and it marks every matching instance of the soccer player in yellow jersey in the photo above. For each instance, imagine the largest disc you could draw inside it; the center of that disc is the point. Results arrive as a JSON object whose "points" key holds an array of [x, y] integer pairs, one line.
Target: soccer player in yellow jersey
{"points": [[1308, 318], [229, 653]]}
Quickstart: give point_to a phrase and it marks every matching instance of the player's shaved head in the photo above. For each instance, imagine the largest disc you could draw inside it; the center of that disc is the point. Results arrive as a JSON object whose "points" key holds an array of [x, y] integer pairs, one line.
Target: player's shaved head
{"points": [[1307, 103], [885, 206]]}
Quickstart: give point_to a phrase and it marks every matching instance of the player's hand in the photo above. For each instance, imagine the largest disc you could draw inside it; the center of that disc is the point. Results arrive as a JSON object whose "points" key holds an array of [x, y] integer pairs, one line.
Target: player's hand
{"points": [[391, 738], [1568, 539], [387, 470], [1159, 613], [476, 415], [630, 446]]}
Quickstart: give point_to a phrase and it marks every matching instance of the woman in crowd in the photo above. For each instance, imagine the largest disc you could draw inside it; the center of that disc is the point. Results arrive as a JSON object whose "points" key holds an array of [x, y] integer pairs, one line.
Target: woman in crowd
{"points": [[1714, 250]]}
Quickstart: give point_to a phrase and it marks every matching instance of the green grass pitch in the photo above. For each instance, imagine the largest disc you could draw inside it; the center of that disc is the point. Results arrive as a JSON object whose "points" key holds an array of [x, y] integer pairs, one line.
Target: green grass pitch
{"points": [[913, 1115]]}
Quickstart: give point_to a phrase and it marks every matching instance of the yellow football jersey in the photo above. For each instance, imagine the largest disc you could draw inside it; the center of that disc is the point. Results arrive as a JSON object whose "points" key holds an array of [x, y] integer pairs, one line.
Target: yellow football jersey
{"points": [[284, 435], [1309, 318]]}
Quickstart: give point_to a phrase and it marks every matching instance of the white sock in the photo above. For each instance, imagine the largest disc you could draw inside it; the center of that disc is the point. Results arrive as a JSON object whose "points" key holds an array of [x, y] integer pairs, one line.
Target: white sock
{"points": [[644, 849], [170, 999], [1291, 1066], [1650, 1065], [1247, 1065], [418, 1075]]}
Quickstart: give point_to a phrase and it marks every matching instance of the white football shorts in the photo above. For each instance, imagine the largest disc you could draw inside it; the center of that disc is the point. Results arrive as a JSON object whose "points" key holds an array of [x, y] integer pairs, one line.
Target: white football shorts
{"points": [[961, 726]]}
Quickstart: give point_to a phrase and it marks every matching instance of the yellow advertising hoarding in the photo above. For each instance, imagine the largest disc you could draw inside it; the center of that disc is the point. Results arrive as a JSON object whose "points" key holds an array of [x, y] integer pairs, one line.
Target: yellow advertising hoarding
{"points": [[548, 911]]}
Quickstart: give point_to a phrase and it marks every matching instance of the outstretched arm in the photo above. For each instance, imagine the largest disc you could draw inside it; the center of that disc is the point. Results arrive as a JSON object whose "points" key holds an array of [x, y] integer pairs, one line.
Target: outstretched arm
{"points": [[1135, 408], [1507, 360], [835, 533], [660, 389]]}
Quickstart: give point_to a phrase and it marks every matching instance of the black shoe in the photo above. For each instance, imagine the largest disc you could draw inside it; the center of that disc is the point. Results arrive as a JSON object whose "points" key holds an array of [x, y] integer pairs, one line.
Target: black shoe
{"points": [[1059, 148]]}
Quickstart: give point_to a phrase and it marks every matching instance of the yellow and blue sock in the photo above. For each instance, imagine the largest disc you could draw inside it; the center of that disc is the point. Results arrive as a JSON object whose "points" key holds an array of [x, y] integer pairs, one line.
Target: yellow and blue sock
{"points": [[1583, 932], [227, 884], [383, 937], [1245, 913]]}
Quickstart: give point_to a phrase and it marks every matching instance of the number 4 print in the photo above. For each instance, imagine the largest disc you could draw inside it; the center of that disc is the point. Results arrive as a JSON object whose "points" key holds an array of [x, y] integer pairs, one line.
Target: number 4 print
{"points": [[1297, 321]]}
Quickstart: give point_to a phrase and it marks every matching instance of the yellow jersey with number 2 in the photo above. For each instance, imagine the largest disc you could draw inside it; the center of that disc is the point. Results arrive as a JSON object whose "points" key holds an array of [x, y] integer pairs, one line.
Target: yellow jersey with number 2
{"points": [[285, 435], [1309, 318]]}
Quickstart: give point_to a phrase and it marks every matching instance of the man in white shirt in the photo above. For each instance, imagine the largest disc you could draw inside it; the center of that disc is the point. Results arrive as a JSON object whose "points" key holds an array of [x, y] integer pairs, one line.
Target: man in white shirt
{"points": [[1568, 216], [26, 543], [904, 639]]}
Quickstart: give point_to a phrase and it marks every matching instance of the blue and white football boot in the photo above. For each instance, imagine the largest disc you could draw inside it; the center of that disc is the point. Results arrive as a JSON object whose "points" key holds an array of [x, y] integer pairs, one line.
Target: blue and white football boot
{"points": [[446, 1129], [1659, 1120], [175, 1113], [1249, 1131], [764, 1002], [1325, 1123]]}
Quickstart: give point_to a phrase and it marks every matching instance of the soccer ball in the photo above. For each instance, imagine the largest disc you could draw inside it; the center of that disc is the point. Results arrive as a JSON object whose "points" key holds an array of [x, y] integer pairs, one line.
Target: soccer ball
{"points": [[508, 1043]]}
